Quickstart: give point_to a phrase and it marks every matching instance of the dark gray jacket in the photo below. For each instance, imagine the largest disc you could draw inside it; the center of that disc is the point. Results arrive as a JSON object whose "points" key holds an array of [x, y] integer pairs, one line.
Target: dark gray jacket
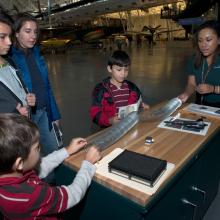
{"points": [[8, 100]]}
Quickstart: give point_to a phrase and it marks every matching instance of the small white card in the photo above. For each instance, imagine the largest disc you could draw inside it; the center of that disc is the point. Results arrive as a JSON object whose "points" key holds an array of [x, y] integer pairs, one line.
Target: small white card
{"points": [[203, 109]]}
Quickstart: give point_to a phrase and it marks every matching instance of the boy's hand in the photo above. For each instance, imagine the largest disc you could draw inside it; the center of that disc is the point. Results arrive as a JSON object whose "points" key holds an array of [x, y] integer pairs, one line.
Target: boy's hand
{"points": [[114, 120], [31, 99], [145, 106], [93, 155], [75, 145], [57, 122]]}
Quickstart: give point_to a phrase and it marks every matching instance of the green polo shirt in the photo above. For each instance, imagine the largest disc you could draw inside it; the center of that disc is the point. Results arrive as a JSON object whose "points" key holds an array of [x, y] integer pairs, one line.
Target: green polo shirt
{"points": [[212, 77]]}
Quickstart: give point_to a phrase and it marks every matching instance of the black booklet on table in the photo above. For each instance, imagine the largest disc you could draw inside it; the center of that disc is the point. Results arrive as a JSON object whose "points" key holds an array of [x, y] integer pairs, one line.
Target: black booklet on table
{"points": [[138, 167]]}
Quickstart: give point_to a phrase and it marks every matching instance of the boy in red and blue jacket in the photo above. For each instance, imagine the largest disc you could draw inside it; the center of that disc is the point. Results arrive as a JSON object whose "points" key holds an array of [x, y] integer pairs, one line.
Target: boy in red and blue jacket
{"points": [[114, 92]]}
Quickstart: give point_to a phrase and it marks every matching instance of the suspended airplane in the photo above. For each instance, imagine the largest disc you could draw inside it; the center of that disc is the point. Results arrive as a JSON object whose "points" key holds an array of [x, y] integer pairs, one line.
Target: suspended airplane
{"points": [[72, 13], [87, 9], [94, 35]]}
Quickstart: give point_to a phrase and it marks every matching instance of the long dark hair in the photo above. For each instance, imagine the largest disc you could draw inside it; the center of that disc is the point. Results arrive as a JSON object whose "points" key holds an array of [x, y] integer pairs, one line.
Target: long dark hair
{"points": [[19, 21], [215, 26]]}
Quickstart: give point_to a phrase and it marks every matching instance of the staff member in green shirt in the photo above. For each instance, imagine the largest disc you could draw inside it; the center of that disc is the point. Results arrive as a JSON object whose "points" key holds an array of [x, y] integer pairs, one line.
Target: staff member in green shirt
{"points": [[204, 66]]}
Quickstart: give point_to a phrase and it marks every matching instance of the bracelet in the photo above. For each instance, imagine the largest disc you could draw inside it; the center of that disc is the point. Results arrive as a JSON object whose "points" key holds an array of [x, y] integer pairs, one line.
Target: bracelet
{"points": [[216, 90]]}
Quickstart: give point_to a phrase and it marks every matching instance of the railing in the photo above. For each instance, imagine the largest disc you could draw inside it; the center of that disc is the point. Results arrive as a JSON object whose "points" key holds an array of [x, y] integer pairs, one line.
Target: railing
{"points": [[169, 13]]}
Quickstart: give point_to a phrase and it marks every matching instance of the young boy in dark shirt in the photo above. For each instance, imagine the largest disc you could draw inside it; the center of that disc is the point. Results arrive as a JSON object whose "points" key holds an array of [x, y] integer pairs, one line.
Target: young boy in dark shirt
{"points": [[114, 92]]}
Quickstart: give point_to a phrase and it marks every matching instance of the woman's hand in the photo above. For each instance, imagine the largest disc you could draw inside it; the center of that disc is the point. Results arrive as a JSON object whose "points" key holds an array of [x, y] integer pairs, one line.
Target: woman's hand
{"points": [[183, 97], [205, 88], [31, 99], [23, 110], [189, 90]]}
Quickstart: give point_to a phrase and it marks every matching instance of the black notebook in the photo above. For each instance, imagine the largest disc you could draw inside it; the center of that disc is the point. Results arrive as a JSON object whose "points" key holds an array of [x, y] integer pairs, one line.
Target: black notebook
{"points": [[138, 167]]}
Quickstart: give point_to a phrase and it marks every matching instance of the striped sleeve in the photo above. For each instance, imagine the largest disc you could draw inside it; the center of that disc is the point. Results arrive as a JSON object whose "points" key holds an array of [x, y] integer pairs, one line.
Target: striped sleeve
{"points": [[31, 200]]}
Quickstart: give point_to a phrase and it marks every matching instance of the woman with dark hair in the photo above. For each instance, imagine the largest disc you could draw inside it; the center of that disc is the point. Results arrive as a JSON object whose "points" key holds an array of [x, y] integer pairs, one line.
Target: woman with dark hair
{"points": [[26, 54], [14, 97], [204, 66]]}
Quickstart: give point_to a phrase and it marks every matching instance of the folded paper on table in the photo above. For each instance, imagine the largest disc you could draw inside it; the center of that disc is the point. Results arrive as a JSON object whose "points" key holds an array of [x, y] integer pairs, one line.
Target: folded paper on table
{"points": [[102, 169], [125, 110]]}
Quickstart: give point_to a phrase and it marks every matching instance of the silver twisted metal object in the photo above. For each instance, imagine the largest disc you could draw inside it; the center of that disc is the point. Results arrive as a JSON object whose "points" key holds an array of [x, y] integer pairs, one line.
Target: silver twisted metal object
{"points": [[115, 132], [162, 112]]}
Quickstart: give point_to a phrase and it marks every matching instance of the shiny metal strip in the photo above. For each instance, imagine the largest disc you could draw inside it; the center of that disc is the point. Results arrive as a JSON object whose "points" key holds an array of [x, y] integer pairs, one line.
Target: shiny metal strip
{"points": [[115, 132]]}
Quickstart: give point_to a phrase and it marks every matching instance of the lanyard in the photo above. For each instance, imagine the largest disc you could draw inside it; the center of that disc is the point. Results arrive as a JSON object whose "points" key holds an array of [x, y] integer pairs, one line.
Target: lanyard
{"points": [[203, 77], [204, 74]]}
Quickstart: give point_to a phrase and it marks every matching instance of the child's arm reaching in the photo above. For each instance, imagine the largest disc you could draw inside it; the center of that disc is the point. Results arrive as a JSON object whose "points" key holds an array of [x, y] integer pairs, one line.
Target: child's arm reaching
{"points": [[54, 159], [65, 197], [77, 189]]}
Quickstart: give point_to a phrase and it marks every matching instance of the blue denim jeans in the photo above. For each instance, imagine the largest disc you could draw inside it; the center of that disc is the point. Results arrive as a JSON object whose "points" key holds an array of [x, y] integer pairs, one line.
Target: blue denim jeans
{"points": [[47, 138]]}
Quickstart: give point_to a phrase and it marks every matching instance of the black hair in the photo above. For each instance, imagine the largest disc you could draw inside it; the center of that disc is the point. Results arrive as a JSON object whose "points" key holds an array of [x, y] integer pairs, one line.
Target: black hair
{"points": [[17, 135], [215, 26], [5, 18], [119, 58], [212, 24]]}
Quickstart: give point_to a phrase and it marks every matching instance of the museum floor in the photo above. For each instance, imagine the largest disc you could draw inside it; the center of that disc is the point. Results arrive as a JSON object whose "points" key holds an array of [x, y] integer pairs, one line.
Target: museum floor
{"points": [[158, 71]]}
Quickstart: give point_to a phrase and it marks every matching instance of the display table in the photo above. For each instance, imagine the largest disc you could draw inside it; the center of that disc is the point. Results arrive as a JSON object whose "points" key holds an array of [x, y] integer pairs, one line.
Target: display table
{"points": [[185, 194]]}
